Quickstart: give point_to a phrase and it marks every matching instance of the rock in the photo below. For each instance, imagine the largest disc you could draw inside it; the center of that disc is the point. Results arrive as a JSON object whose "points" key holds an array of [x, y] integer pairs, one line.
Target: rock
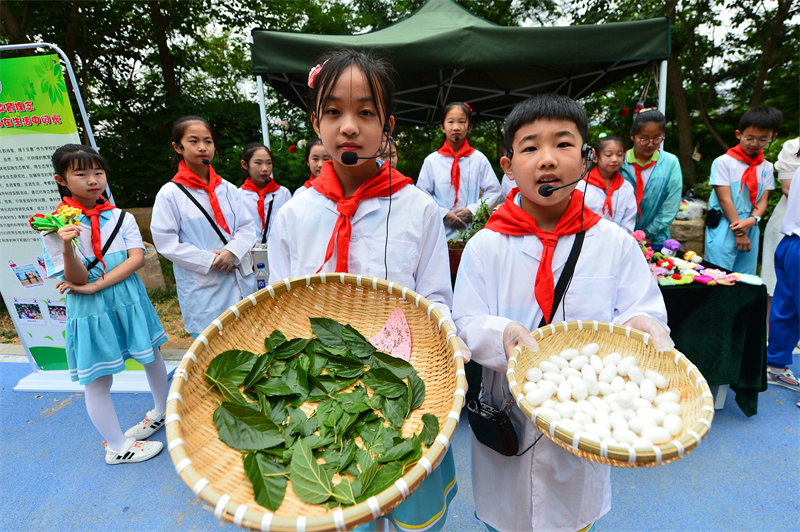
{"points": [[142, 216], [690, 233], [151, 273]]}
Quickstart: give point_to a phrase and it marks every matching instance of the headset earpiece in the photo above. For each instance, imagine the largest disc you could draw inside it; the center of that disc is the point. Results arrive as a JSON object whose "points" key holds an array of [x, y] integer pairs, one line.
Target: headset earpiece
{"points": [[585, 150], [179, 145], [510, 152]]}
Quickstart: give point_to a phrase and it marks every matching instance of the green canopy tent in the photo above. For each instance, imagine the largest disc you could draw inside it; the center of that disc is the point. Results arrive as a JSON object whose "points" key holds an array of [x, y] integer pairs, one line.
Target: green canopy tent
{"points": [[444, 53]]}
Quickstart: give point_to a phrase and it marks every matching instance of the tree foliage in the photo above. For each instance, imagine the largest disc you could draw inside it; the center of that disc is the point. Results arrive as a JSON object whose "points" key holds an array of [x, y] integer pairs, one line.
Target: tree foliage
{"points": [[142, 64]]}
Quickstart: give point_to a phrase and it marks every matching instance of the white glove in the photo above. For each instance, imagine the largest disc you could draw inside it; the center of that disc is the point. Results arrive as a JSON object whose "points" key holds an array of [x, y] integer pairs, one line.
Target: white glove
{"points": [[658, 334], [517, 334]]}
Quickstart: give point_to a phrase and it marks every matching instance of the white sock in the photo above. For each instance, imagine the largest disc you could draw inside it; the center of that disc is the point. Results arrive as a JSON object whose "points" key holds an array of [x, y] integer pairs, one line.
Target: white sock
{"points": [[156, 373], [101, 411]]}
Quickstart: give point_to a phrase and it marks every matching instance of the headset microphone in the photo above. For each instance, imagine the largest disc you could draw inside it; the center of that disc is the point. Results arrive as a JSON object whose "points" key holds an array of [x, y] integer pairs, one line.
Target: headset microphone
{"points": [[547, 189], [350, 157], [100, 201], [206, 161]]}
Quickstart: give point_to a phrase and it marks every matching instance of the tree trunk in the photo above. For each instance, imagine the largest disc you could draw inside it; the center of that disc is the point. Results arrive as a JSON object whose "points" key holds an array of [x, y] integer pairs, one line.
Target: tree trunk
{"points": [[167, 61], [683, 119], [774, 31]]}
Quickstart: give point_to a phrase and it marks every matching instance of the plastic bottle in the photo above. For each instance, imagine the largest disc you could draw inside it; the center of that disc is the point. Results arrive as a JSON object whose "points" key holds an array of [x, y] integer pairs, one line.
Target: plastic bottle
{"points": [[261, 276]]}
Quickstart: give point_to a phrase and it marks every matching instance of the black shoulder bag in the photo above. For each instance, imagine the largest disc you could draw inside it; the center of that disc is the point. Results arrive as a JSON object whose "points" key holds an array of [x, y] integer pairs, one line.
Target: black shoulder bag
{"points": [[492, 427], [107, 245], [205, 213]]}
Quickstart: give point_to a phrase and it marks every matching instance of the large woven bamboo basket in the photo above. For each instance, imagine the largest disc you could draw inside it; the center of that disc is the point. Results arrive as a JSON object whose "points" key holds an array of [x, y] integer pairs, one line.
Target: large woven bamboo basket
{"points": [[214, 471], [683, 378]]}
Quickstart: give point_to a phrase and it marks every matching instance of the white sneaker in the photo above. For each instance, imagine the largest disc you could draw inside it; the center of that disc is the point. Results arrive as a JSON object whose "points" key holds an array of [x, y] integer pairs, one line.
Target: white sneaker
{"points": [[133, 451], [151, 423]]}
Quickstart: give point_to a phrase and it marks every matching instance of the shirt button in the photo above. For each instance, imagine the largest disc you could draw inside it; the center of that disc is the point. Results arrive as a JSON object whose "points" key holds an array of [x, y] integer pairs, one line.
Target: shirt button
{"points": [[354, 237]]}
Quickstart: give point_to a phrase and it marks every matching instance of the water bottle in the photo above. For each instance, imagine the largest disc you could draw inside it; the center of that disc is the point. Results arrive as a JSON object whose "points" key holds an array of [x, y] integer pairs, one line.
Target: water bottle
{"points": [[261, 276]]}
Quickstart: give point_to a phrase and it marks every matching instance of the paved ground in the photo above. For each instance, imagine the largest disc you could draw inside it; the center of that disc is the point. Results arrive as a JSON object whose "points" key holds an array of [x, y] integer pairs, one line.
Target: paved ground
{"points": [[53, 477]]}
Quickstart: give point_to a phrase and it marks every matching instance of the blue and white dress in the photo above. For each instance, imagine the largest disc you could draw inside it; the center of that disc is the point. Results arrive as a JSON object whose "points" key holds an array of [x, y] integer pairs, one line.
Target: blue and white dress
{"points": [[111, 325]]}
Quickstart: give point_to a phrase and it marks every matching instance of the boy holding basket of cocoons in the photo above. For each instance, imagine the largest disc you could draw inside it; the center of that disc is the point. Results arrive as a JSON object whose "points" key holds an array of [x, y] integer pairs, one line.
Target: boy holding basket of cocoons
{"points": [[530, 238]]}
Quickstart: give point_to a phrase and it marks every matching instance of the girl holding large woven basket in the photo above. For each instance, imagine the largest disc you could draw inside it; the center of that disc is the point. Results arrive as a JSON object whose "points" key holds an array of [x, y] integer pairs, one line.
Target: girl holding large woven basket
{"points": [[504, 289], [360, 218]]}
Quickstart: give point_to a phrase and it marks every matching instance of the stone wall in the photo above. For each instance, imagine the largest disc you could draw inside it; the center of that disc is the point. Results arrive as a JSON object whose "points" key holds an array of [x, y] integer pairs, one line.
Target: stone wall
{"points": [[690, 233]]}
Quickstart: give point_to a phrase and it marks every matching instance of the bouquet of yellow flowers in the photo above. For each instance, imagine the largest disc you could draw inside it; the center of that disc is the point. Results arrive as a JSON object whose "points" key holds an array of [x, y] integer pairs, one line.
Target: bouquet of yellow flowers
{"points": [[50, 223]]}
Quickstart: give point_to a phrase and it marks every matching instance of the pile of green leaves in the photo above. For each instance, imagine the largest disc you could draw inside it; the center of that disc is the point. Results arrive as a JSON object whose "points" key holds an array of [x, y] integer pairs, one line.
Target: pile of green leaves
{"points": [[356, 433]]}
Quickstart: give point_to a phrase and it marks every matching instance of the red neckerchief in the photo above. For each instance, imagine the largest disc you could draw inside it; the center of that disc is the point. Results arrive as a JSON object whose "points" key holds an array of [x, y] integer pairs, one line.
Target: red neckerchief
{"points": [[597, 180], [307, 184], [377, 186], [94, 217], [640, 182], [270, 187], [192, 180], [511, 219], [455, 172], [750, 176]]}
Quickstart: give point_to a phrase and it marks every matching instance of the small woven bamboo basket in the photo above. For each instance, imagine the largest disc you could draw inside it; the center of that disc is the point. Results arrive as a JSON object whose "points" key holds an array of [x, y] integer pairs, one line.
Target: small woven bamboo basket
{"points": [[214, 471], [683, 378]]}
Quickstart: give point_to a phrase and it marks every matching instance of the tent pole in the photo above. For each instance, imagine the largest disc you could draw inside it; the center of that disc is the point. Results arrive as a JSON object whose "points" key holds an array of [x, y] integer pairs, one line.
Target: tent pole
{"points": [[262, 111], [662, 87]]}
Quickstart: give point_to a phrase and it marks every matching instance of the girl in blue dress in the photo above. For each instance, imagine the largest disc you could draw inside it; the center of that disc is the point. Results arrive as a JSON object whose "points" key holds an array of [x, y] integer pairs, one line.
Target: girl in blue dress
{"points": [[109, 315]]}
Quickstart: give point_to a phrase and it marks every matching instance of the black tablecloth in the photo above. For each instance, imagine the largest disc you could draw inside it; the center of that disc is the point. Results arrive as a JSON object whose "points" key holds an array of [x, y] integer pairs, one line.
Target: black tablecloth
{"points": [[722, 329]]}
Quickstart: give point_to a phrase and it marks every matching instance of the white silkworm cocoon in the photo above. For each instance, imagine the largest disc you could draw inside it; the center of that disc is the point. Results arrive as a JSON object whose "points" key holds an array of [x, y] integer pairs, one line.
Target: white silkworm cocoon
{"points": [[585, 435], [602, 419], [618, 383], [528, 387], [625, 435], [570, 372], [657, 435], [591, 384], [618, 421], [582, 418], [578, 362], [570, 425], [642, 443], [573, 381], [647, 389], [564, 391], [611, 398], [585, 407], [598, 430], [658, 379], [598, 403], [590, 349], [670, 408], [538, 396], [612, 360], [633, 389], [625, 364], [635, 374], [580, 391], [548, 367], [673, 424], [608, 442], [566, 409], [667, 397], [653, 413], [638, 424], [608, 374], [569, 354], [641, 403], [549, 413], [604, 387], [597, 363], [624, 399], [558, 362], [557, 378], [549, 403], [534, 375]]}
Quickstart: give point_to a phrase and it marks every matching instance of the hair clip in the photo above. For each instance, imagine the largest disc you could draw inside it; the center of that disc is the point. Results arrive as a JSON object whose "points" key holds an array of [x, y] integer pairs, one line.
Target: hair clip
{"points": [[646, 109], [468, 107], [312, 75], [602, 135]]}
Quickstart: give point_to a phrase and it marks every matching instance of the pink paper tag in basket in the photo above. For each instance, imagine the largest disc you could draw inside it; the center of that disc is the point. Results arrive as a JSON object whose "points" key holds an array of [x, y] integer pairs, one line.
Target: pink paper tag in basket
{"points": [[395, 336]]}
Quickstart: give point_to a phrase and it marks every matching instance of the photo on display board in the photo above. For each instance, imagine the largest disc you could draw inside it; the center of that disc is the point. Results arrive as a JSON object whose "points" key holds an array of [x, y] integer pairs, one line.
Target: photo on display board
{"points": [[40, 266], [27, 275], [29, 312], [58, 313]]}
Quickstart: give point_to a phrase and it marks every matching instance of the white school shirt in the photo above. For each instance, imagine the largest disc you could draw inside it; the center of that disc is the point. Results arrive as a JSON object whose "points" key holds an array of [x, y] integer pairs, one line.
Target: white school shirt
{"points": [[478, 182], [277, 199], [506, 186], [791, 222], [729, 172], [416, 252], [623, 203], [182, 234], [547, 488]]}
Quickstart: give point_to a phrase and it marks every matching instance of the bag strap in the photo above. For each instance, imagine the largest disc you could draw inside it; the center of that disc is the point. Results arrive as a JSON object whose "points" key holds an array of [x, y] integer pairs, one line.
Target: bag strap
{"points": [[107, 245], [265, 230], [208, 216], [566, 276]]}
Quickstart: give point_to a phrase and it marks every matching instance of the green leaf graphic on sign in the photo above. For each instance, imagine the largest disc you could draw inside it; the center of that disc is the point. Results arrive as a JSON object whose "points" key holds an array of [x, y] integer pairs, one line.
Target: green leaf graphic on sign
{"points": [[49, 337]]}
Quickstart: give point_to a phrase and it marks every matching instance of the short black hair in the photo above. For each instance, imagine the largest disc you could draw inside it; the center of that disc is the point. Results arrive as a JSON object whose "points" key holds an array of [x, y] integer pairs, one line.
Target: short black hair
{"points": [[766, 118], [249, 150], [179, 128], [548, 106], [75, 157]]}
